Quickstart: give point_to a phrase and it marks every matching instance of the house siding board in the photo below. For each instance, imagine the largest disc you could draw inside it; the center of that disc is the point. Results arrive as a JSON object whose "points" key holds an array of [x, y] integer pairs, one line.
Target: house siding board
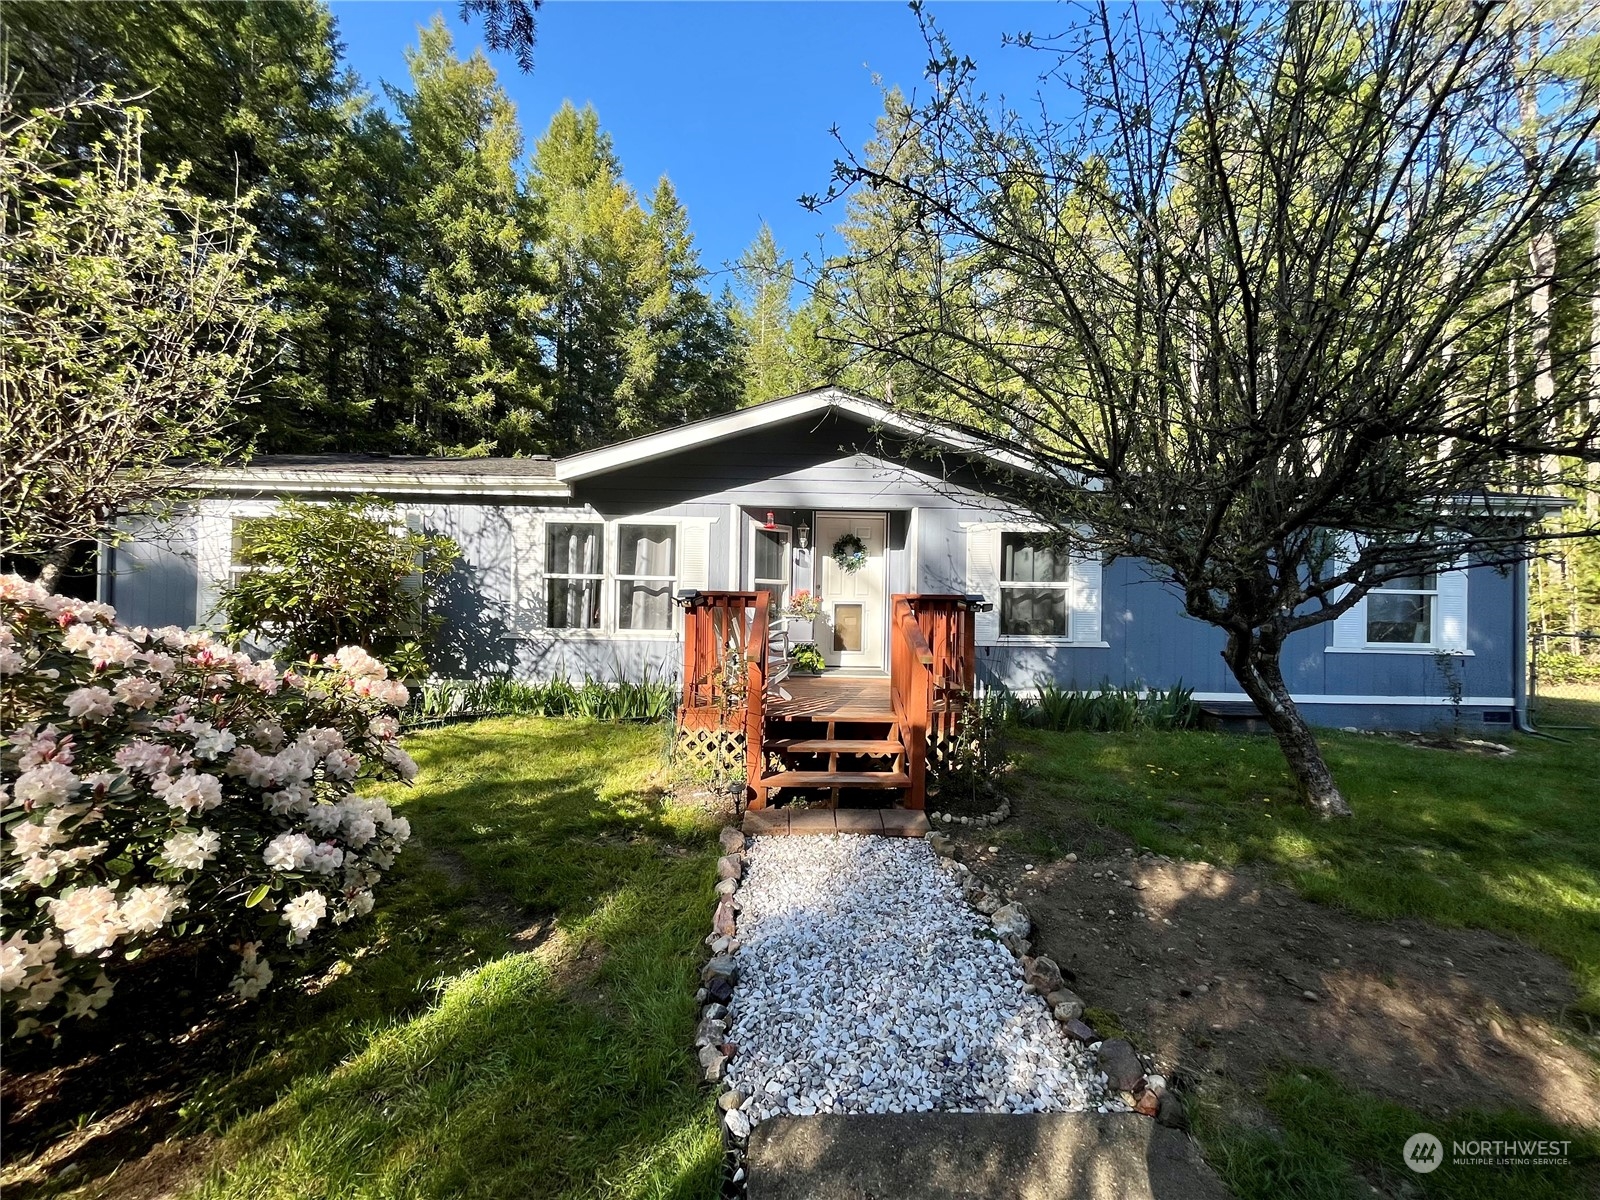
{"points": [[151, 574]]}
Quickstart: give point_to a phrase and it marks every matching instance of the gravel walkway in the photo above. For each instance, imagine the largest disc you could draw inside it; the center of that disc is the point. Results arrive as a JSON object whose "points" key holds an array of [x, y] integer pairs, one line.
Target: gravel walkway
{"points": [[866, 986]]}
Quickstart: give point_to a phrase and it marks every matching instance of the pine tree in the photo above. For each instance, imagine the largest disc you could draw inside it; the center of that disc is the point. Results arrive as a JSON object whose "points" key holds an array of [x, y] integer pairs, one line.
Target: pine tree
{"points": [[681, 355], [594, 228], [473, 354], [894, 277], [764, 317]]}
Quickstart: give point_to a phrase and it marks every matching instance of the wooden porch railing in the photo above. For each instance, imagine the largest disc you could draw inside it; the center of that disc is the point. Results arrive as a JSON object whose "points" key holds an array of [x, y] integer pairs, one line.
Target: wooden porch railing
{"points": [[725, 672], [932, 672]]}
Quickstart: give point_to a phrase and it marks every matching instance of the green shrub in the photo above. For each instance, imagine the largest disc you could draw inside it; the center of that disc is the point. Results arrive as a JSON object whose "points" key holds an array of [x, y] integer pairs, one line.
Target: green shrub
{"points": [[650, 699], [1108, 709], [323, 576]]}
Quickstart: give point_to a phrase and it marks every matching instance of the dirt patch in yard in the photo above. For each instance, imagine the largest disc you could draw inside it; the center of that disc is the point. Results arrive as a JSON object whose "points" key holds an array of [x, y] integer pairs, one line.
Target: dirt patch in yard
{"points": [[1209, 970]]}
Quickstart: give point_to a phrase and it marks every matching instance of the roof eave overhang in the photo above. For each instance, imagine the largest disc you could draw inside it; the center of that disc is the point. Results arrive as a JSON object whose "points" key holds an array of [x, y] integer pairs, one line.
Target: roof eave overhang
{"points": [[355, 482]]}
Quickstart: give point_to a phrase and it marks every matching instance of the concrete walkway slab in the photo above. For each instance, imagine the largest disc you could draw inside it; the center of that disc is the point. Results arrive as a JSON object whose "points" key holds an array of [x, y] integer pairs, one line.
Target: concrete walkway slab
{"points": [[976, 1156]]}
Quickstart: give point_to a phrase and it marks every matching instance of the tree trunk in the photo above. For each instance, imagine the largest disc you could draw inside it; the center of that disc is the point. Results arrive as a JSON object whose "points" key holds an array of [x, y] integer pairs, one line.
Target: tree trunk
{"points": [[1254, 663], [55, 567]]}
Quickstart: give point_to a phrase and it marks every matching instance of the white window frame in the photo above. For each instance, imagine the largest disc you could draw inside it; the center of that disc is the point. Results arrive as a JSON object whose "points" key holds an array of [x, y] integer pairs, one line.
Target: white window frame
{"points": [[1432, 595], [756, 529], [999, 529], [611, 614], [1063, 586], [214, 549], [1449, 619], [547, 575]]}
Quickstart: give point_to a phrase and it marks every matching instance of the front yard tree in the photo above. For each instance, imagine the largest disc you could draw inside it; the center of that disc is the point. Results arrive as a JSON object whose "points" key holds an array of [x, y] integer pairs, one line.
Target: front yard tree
{"points": [[127, 325], [1243, 303]]}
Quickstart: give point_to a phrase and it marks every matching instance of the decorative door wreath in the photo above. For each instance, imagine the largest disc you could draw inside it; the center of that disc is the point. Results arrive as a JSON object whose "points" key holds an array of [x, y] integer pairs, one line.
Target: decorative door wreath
{"points": [[850, 553]]}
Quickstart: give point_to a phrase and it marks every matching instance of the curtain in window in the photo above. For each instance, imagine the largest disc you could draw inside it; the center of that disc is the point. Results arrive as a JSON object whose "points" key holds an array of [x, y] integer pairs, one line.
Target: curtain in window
{"points": [[574, 550], [647, 551]]}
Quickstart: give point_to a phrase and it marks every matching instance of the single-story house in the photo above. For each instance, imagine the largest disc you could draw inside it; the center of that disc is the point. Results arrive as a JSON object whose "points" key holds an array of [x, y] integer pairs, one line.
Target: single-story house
{"points": [[570, 566]]}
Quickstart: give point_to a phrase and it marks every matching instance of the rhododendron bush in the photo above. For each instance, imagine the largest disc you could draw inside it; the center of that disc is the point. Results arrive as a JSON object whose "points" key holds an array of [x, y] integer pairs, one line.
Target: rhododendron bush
{"points": [[158, 786]]}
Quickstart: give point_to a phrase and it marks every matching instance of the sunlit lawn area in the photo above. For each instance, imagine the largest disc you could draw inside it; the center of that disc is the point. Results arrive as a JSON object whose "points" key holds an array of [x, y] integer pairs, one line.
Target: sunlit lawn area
{"points": [[519, 1021], [1511, 845]]}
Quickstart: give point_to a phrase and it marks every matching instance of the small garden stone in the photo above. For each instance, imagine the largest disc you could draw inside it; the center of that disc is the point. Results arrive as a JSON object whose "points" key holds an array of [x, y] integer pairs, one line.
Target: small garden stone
{"points": [[731, 839], [1011, 919], [1120, 1065]]}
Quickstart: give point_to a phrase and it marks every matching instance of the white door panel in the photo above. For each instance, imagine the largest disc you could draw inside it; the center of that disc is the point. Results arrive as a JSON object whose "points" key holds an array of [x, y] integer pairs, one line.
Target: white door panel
{"points": [[854, 606]]}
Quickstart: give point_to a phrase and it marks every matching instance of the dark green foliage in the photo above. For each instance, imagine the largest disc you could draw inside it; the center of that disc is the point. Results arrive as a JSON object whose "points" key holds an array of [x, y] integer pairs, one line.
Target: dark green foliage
{"points": [[429, 292], [650, 699], [322, 576], [1107, 709]]}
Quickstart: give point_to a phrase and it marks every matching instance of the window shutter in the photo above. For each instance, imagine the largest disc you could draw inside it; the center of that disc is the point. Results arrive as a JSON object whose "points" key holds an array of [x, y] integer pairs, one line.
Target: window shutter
{"points": [[983, 579], [694, 556], [1349, 630], [1452, 612], [527, 600], [1084, 595]]}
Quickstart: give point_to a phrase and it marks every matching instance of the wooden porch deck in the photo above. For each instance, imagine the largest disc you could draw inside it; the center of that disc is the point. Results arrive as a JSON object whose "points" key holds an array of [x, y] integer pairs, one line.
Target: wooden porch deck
{"points": [[840, 697]]}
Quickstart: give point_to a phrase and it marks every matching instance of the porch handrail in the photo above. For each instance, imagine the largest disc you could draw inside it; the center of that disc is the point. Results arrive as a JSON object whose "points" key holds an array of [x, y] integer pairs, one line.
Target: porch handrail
{"points": [[725, 640], [932, 671]]}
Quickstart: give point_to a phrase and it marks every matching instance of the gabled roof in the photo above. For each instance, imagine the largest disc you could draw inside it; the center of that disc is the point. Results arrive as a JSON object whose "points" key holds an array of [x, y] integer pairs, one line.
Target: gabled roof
{"points": [[416, 474], [769, 413]]}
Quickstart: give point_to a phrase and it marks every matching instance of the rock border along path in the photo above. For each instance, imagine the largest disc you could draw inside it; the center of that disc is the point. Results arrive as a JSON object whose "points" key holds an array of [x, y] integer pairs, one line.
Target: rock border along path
{"points": [[865, 984]]}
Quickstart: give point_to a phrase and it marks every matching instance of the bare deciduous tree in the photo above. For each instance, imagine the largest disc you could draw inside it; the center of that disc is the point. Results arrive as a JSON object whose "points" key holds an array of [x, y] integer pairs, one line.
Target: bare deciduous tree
{"points": [[1243, 302], [127, 325]]}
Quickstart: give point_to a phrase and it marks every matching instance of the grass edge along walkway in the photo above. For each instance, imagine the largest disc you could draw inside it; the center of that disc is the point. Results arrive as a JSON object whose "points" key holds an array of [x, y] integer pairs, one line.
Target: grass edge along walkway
{"points": [[562, 899]]}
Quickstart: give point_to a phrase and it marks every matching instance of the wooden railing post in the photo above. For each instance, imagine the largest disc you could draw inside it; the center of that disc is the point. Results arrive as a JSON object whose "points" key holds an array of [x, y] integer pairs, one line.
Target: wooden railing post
{"points": [[755, 701]]}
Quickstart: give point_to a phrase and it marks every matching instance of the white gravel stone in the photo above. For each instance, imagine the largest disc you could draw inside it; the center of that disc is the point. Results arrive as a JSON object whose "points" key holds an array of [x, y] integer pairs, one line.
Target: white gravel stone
{"points": [[866, 984]]}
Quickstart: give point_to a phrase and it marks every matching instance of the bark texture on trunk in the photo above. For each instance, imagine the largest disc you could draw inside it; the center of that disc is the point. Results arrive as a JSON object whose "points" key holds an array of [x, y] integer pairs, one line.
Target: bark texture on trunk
{"points": [[55, 567], [1254, 662]]}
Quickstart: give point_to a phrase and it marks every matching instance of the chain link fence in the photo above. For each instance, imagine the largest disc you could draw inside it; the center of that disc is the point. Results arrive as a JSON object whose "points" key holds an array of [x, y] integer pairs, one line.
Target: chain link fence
{"points": [[1564, 680]]}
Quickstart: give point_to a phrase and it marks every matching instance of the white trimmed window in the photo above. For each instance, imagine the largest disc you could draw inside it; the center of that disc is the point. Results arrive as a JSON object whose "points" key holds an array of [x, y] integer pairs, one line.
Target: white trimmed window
{"points": [[574, 574], [237, 528], [770, 564], [1035, 587], [646, 571], [1042, 590], [1402, 611], [1424, 611]]}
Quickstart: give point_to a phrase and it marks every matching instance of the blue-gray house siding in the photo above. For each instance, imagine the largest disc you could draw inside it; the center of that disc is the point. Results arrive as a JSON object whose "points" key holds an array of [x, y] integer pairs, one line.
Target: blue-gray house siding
{"points": [[822, 461]]}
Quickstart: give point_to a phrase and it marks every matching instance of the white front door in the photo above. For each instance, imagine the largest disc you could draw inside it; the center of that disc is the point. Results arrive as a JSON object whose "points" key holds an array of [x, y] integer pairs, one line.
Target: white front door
{"points": [[854, 603]]}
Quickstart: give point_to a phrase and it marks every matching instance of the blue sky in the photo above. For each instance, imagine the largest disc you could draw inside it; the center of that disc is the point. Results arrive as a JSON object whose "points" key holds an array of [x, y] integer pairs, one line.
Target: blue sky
{"points": [[734, 101]]}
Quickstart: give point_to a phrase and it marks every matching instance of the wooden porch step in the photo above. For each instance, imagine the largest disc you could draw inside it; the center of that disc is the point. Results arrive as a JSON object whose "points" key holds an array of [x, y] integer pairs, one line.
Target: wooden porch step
{"points": [[835, 746], [834, 779]]}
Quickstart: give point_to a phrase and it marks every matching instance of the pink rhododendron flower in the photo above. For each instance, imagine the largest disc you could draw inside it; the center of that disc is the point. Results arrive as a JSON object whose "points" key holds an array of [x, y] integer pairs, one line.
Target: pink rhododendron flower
{"points": [[90, 703]]}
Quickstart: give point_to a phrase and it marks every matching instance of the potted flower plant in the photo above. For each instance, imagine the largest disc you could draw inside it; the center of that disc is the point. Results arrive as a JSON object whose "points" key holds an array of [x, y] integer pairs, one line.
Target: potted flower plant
{"points": [[803, 606]]}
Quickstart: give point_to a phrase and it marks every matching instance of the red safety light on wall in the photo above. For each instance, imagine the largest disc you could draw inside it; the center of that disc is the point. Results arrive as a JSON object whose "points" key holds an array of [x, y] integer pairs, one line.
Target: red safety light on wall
{"points": [[772, 521]]}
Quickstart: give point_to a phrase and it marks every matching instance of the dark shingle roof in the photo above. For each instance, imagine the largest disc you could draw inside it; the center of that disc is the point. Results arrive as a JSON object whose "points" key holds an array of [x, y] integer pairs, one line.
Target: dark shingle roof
{"points": [[403, 465]]}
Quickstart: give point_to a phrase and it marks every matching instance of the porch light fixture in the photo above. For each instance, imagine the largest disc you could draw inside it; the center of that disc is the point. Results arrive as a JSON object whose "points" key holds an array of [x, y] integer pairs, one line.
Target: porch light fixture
{"points": [[772, 521], [804, 533]]}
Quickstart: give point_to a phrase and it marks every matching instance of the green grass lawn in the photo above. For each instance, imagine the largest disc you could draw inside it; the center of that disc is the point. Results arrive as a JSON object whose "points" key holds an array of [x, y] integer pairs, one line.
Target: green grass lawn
{"points": [[1511, 845], [518, 1021]]}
